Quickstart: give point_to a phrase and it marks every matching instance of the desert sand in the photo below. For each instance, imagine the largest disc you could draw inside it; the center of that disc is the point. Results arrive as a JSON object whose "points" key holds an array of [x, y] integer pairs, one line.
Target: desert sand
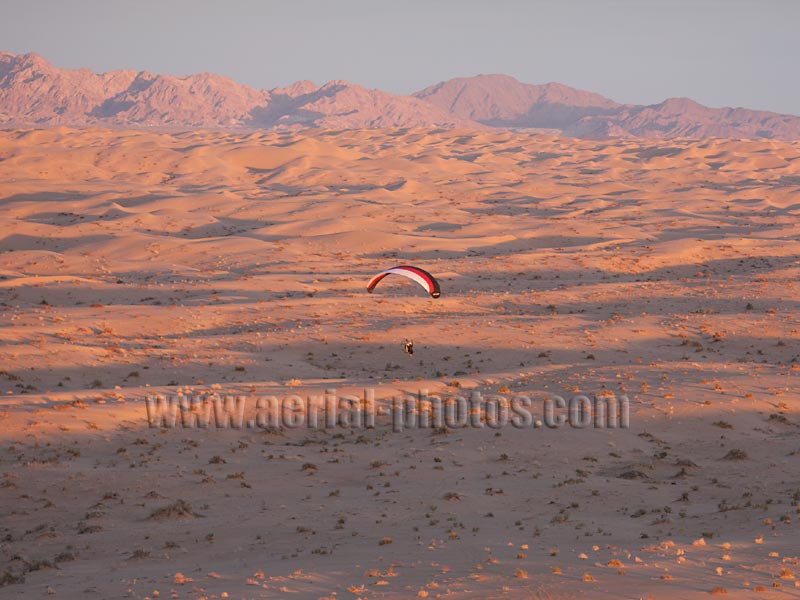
{"points": [[135, 263]]}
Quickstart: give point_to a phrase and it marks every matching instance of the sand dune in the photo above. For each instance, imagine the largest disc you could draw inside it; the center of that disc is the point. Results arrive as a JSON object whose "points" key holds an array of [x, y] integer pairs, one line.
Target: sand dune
{"points": [[134, 263]]}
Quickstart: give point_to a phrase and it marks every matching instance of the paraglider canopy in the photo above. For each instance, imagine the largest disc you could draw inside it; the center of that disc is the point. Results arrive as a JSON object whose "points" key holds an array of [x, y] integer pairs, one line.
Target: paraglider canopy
{"points": [[421, 276]]}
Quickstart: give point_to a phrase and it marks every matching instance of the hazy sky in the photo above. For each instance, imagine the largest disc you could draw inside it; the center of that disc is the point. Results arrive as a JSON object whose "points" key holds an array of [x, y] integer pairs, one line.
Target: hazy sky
{"points": [[718, 52]]}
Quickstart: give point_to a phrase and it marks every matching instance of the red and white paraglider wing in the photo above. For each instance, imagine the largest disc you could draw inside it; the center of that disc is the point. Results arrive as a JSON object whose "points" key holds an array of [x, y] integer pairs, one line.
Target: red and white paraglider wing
{"points": [[421, 276]]}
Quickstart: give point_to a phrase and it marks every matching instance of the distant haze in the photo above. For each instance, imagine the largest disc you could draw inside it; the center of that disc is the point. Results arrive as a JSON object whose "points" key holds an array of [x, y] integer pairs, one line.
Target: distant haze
{"points": [[720, 53]]}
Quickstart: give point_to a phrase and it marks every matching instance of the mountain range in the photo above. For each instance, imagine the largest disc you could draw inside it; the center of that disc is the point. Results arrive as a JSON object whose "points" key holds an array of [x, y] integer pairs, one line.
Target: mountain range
{"points": [[34, 93]]}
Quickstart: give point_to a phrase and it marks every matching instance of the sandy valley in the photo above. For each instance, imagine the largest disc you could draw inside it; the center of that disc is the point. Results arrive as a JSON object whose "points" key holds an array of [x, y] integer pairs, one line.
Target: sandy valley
{"points": [[135, 263]]}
